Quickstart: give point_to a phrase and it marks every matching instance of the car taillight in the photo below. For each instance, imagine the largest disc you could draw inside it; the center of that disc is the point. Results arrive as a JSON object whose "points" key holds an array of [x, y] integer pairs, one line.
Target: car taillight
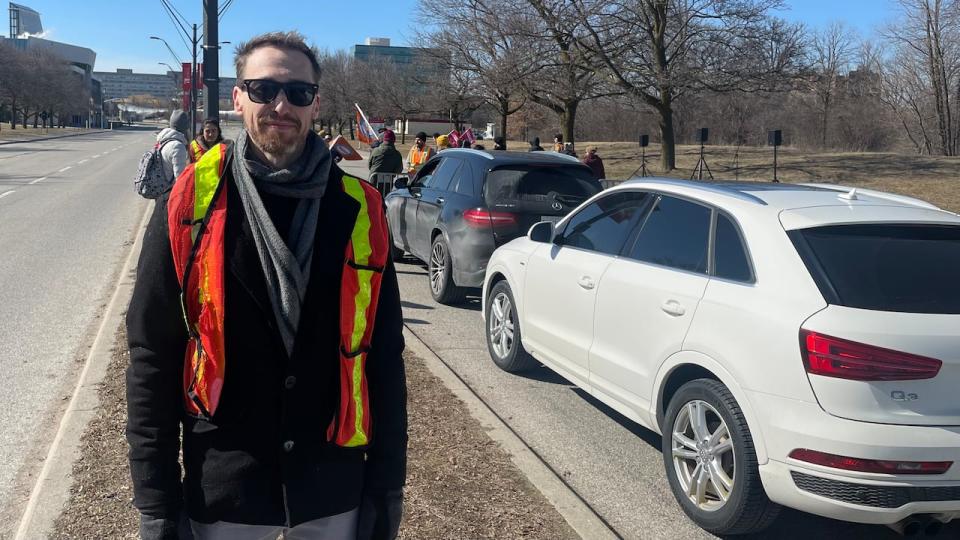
{"points": [[870, 465], [481, 217], [835, 357]]}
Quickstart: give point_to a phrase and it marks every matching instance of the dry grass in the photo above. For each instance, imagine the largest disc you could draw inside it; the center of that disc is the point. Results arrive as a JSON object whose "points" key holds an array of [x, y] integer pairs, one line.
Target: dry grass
{"points": [[932, 178]]}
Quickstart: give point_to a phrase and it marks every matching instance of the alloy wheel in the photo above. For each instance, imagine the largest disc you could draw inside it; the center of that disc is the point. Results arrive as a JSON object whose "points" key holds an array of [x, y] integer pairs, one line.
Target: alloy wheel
{"points": [[501, 325], [437, 267], [703, 455]]}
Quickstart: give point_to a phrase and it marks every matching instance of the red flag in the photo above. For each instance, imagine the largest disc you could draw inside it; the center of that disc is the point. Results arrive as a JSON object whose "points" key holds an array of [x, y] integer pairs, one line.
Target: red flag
{"points": [[365, 131], [468, 135], [453, 138]]}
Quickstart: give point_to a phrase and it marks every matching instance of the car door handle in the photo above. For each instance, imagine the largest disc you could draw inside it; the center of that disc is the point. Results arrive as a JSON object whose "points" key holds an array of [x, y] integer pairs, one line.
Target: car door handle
{"points": [[440, 200], [672, 307], [586, 282]]}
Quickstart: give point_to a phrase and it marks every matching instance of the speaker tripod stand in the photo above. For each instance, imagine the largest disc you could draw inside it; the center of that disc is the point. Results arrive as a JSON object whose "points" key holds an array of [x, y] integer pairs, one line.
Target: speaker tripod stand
{"points": [[701, 165]]}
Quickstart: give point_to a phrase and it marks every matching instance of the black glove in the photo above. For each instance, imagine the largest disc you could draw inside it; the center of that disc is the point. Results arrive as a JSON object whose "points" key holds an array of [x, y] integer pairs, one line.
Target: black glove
{"points": [[380, 516], [153, 528]]}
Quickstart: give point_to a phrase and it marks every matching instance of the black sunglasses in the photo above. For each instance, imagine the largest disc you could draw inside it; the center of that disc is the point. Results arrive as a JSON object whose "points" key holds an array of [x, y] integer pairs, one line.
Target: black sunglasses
{"points": [[299, 94]]}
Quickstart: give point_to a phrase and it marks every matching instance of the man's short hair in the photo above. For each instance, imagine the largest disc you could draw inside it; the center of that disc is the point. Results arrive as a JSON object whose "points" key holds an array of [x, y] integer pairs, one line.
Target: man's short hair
{"points": [[291, 41]]}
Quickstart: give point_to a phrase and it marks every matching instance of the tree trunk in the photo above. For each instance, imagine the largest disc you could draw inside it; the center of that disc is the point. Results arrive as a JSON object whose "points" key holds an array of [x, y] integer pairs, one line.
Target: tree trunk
{"points": [[823, 123], [668, 146], [403, 130], [568, 119], [13, 114]]}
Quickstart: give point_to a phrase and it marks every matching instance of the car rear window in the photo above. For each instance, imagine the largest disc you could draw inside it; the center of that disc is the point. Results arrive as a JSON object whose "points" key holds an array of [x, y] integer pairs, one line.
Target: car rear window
{"points": [[885, 267], [572, 185]]}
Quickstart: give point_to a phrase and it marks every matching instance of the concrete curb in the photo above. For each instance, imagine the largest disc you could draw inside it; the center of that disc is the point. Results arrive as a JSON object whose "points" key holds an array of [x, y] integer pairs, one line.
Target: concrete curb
{"points": [[57, 137], [52, 489], [574, 510]]}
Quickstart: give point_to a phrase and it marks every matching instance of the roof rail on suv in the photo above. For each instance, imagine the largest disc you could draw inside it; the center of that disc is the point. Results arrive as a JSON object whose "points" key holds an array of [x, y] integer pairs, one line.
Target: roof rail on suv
{"points": [[903, 199], [702, 186], [482, 153]]}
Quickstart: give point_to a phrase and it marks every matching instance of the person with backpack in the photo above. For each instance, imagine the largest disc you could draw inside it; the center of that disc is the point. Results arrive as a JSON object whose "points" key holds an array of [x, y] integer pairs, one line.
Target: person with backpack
{"points": [[161, 165], [173, 145]]}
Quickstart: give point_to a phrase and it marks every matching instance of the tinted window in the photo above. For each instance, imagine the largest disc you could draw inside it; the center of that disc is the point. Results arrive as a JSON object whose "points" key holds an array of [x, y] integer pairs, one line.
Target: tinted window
{"points": [[463, 181], [730, 257], [424, 175], [604, 224], [521, 182], [443, 174], [907, 268], [675, 234]]}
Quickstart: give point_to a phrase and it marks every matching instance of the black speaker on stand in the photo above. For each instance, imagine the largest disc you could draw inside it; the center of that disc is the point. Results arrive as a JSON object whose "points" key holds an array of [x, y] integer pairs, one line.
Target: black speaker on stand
{"points": [[702, 135], [775, 139]]}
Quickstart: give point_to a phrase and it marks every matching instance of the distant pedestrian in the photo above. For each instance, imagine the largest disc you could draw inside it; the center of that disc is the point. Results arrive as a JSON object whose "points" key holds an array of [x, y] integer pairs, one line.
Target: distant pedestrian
{"points": [[593, 161], [479, 146], [386, 158], [535, 145], [419, 153], [443, 142], [499, 143], [465, 143], [558, 143], [173, 145], [209, 137], [568, 149]]}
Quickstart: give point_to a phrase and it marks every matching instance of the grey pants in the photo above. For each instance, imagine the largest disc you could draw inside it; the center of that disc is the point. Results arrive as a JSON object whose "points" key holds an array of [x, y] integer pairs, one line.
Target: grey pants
{"points": [[339, 527]]}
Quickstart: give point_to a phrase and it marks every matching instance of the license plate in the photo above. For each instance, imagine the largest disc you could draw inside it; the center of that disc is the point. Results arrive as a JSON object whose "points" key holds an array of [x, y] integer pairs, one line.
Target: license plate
{"points": [[551, 219]]}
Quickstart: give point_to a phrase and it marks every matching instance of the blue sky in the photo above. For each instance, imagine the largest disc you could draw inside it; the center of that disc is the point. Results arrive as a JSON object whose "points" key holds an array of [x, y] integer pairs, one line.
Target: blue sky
{"points": [[120, 35]]}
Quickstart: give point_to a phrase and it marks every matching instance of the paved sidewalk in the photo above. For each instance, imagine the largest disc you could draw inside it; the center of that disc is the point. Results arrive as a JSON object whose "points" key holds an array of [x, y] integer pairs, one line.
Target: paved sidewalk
{"points": [[19, 135]]}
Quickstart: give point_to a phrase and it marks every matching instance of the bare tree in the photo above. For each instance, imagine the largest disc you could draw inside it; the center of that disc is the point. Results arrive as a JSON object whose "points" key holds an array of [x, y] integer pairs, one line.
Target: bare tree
{"points": [[832, 50], [927, 54], [483, 43], [659, 50]]}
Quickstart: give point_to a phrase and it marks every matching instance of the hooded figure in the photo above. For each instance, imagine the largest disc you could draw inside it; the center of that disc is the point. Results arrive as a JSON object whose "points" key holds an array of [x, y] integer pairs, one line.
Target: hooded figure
{"points": [[499, 143], [173, 141], [386, 158], [443, 142], [535, 145]]}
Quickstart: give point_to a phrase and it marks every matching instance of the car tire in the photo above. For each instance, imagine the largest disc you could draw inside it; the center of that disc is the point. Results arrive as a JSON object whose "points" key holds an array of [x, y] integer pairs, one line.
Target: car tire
{"points": [[503, 331], [714, 450], [440, 274], [396, 253]]}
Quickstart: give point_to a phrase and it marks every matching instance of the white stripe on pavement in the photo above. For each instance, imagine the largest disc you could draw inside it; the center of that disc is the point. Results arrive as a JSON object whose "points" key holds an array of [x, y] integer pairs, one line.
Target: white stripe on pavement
{"points": [[95, 157], [82, 161], [5, 193], [67, 168], [41, 179]]}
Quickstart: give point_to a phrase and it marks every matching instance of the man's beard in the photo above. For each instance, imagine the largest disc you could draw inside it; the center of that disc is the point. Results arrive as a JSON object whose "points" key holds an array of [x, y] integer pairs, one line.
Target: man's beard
{"points": [[269, 141]]}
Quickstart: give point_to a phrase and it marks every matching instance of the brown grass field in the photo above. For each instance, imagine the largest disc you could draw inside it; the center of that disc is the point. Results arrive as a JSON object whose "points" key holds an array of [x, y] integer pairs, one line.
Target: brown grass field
{"points": [[932, 178]]}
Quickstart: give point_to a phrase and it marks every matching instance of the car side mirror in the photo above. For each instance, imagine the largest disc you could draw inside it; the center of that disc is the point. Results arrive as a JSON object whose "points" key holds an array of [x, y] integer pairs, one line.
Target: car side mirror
{"points": [[541, 232], [401, 182]]}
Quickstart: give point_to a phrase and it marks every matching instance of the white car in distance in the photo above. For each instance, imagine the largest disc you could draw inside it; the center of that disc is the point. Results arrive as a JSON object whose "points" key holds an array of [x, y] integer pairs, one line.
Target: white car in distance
{"points": [[795, 345]]}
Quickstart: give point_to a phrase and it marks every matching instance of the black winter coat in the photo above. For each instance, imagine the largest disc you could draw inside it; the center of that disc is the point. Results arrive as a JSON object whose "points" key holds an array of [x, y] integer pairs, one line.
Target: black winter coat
{"points": [[263, 458]]}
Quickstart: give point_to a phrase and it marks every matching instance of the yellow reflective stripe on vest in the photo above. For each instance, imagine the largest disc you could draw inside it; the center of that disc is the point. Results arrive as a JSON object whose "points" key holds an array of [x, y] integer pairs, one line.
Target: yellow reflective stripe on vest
{"points": [[206, 177], [361, 255]]}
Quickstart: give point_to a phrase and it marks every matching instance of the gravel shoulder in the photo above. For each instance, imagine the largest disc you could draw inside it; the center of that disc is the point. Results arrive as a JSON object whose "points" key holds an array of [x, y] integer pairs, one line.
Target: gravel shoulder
{"points": [[460, 483]]}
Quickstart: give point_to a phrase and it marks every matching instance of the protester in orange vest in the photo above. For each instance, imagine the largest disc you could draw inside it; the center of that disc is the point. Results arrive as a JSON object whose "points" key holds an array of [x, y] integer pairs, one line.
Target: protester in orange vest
{"points": [[419, 153], [207, 139], [266, 324]]}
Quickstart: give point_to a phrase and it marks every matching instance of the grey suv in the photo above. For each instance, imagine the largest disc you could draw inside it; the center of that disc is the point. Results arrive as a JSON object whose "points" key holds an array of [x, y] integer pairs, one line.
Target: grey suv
{"points": [[463, 204]]}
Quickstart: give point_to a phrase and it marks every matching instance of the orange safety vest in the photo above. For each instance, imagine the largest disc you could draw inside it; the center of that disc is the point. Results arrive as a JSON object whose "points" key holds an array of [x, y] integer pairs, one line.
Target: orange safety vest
{"points": [[419, 157], [197, 217], [196, 151]]}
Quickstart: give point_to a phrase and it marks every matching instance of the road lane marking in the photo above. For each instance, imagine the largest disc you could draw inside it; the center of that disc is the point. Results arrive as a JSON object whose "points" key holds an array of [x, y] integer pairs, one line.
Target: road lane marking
{"points": [[5, 193], [82, 161], [67, 168], [41, 179], [95, 157]]}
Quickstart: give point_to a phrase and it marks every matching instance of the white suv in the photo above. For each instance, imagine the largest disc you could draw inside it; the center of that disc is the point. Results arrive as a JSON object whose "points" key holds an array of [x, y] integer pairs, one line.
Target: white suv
{"points": [[796, 345]]}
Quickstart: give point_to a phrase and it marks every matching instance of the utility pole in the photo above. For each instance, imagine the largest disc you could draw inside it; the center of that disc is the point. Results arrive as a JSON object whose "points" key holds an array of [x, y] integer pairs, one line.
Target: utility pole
{"points": [[194, 72], [211, 59]]}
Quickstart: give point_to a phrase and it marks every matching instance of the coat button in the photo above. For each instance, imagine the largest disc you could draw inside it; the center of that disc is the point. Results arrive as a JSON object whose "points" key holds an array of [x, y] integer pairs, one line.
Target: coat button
{"points": [[288, 446], [289, 382]]}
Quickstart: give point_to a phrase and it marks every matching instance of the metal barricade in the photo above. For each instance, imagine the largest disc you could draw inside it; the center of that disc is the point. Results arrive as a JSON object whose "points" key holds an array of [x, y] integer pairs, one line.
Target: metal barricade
{"points": [[383, 182], [606, 184]]}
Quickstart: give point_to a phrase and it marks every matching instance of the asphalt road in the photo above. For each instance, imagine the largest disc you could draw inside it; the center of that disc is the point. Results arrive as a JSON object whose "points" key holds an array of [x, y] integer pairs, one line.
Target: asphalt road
{"points": [[613, 464], [68, 215]]}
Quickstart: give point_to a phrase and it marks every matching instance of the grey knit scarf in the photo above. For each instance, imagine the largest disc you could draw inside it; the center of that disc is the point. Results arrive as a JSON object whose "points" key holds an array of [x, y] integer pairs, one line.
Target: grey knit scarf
{"points": [[285, 261]]}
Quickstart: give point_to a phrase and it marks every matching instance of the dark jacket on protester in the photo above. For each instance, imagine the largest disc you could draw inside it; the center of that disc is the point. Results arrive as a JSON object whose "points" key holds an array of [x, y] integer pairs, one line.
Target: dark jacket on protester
{"points": [[386, 159], [240, 467], [535, 145], [596, 165]]}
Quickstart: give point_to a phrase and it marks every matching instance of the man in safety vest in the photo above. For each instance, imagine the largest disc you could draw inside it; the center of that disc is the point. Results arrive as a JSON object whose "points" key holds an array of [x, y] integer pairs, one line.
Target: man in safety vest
{"points": [[419, 153], [209, 137], [266, 322]]}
